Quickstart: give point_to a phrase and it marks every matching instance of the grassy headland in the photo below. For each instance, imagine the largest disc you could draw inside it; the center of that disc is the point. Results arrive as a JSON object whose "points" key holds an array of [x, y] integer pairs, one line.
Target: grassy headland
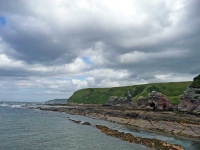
{"points": [[172, 90]]}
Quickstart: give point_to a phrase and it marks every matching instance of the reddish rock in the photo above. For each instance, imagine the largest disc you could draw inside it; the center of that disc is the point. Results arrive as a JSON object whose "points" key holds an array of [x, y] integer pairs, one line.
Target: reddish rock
{"points": [[160, 100], [190, 100], [155, 100]]}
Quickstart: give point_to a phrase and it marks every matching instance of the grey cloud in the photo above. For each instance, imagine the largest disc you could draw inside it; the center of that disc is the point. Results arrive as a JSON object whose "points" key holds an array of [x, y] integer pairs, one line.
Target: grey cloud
{"points": [[165, 35]]}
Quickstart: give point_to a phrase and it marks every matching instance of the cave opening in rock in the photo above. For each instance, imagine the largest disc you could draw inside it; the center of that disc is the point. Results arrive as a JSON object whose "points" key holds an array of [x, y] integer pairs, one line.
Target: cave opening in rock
{"points": [[152, 104]]}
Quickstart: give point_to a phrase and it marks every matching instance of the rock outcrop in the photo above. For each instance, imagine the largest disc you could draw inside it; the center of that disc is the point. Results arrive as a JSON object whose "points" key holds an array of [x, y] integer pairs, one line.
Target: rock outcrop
{"points": [[190, 100], [119, 101], [156, 101]]}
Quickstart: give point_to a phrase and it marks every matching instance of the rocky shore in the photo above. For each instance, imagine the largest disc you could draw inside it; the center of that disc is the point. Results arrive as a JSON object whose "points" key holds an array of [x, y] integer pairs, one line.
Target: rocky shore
{"points": [[151, 143], [170, 122]]}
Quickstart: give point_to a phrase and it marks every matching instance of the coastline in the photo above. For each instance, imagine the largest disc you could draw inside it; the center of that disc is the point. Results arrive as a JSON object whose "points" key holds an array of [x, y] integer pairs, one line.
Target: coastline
{"points": [[165, 122]]}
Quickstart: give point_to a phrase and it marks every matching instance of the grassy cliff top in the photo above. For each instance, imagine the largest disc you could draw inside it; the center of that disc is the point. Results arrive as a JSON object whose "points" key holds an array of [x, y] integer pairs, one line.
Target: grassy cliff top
{"points": [[196, 82], [172, 90]]}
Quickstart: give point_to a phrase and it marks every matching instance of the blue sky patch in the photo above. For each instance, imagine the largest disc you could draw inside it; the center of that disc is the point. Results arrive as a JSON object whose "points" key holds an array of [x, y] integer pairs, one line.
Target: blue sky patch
{"points": [[82, 78], [2, 20], [87, 60]]}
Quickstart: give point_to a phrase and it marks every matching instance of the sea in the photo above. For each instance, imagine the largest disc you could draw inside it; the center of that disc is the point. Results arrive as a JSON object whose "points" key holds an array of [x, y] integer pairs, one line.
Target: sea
{"points": [[23, 127]]}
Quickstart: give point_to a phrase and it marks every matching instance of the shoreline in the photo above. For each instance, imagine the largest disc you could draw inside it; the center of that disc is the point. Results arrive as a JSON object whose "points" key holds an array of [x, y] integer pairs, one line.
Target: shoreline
{"points": [[148, 142], [165, 122]]}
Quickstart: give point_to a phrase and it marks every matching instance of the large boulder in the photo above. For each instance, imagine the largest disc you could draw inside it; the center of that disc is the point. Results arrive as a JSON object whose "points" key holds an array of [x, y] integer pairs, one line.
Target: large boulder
{"points": [[156, 101], [190, 100]]}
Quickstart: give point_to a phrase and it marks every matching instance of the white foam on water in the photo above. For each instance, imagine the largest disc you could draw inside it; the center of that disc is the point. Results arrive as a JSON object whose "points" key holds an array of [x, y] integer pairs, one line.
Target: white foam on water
{"points": [[4, 105], [16, 106], [12, 105]]}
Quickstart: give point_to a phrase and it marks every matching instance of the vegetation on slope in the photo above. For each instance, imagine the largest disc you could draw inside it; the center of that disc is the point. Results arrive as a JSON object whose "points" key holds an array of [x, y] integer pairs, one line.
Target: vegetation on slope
{"points": [[172, 90], [196, 82]]}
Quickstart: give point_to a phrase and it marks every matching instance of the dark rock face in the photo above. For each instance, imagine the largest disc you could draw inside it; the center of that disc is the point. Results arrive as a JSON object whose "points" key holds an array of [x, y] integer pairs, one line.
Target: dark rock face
{"points": [[190, 100], [155, 100], [118, 101]]}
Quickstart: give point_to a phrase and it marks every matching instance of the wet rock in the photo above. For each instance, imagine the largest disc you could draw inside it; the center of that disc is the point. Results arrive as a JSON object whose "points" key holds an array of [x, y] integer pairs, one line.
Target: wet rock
{"points": [[131, 115], [75, 121], [87, 123], [152, 143]]}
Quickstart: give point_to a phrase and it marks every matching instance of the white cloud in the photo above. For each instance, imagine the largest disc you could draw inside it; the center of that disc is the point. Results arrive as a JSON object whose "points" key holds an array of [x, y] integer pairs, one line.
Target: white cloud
{"points": [[90, 80], [79, 83], [108, 74], [108, 83], [5, 61], [100, 43], [141, 57], [173, 77]]}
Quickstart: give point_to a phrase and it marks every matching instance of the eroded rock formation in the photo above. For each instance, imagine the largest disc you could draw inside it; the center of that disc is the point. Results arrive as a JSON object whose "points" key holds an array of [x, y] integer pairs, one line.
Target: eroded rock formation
{"points": [[155, 100]]}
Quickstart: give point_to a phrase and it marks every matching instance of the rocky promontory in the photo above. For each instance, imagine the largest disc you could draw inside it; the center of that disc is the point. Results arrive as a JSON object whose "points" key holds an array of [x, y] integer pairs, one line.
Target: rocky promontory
{"points": [[190, 100]]}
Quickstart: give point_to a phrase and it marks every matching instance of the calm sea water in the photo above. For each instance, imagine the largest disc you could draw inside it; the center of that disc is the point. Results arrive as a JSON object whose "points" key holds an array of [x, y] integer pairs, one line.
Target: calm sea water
{"points": [[22, 128]]}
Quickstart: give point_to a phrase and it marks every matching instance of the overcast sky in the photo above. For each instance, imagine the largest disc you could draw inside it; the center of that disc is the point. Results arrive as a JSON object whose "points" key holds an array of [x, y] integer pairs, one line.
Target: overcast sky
{"points": [[51, 48]]}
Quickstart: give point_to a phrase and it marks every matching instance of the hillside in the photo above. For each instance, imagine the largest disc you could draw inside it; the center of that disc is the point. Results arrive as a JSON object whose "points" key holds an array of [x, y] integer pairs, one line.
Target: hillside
{"points": [[172, 90]]}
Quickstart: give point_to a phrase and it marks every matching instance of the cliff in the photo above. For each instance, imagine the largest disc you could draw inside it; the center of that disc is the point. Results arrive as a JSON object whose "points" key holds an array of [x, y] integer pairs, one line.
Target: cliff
{"points": [[172, 90]]}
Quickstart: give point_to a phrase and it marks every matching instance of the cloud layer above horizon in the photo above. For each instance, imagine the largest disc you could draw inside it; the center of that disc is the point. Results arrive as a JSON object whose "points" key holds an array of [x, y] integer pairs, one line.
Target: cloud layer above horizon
{"points": [[49, 49]]}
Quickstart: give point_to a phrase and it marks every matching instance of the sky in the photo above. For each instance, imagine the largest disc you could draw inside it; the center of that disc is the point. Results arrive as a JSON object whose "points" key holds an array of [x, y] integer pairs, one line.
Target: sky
{"points": [[51, 48]]}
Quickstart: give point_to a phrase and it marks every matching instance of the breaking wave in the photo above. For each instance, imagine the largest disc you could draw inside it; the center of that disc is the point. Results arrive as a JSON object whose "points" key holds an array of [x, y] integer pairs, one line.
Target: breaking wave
{"points": [[12, 105]]}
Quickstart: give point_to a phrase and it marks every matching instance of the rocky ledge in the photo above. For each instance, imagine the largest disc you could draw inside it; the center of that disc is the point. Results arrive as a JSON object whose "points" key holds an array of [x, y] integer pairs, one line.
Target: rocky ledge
{"points": [[152, 143], [174, 123]]}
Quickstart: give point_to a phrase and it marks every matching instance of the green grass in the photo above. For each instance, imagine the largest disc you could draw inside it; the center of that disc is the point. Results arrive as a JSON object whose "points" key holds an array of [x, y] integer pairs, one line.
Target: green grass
{"points": [[196, 82], [172, 90]]}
